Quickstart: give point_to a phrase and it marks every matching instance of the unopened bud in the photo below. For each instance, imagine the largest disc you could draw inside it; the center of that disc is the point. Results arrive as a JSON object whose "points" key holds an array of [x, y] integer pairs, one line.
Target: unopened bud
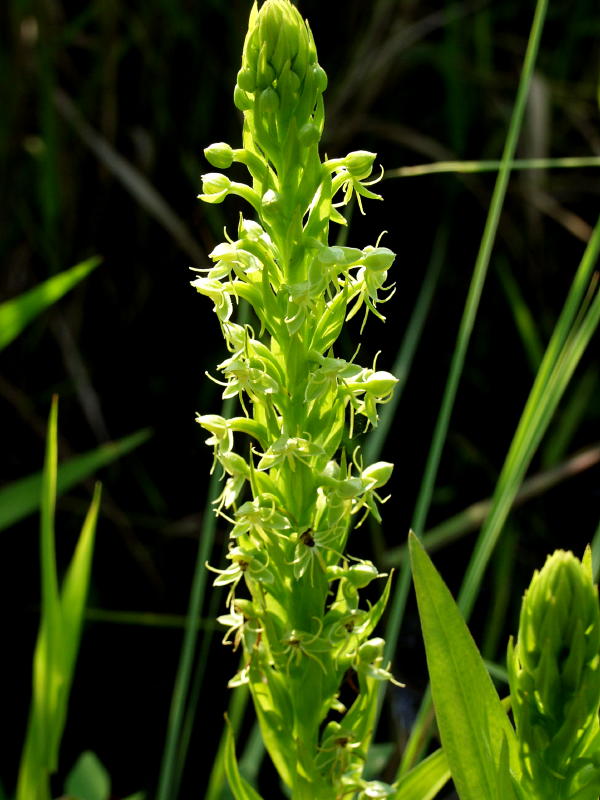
{"points": [[309, 134], [359, 163], [380, 383], [554, 673], [269, 100], [378, 259], [361, 575], [219, 155], [246, 80], [377, 474]]}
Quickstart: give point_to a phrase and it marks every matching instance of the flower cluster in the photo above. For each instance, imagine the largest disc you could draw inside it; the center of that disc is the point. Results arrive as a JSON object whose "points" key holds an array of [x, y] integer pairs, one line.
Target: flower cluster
{"points": [[554, 672], [294, 481]]}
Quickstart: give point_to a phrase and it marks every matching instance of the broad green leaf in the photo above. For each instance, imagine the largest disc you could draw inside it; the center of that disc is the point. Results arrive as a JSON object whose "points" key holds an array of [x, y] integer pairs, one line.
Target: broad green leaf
{"points": [[16, 314], [22, 497], [470, 717], [425, 780], [88, 780], [239, 786]]}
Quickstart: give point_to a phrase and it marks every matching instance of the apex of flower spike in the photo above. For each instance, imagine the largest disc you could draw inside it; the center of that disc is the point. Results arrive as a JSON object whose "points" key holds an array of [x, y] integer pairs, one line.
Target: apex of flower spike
{"points": [[279, 54], [554, 668]]}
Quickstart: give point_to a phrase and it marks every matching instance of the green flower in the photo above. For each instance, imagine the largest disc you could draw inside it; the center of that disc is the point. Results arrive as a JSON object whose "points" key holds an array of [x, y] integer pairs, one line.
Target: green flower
{"points": [[293, 486], [554, 672]]}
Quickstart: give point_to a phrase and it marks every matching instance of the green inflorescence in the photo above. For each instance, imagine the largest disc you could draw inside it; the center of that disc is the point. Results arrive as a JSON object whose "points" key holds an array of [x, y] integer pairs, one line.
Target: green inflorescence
{"points": [[294, 482], [554, 672]]}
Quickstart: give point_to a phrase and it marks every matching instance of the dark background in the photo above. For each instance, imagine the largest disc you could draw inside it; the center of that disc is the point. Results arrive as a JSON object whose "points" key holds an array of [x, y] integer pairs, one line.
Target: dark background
{"points": [[415, 82]]}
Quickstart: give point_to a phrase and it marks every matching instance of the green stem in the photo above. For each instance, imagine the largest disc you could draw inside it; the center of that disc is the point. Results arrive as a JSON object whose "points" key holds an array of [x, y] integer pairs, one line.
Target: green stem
{"points": [[470, 167], [423, 503]]}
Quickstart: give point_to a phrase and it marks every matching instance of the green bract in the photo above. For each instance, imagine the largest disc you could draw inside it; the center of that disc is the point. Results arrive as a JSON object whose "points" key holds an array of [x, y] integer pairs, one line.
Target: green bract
{"points": [[293, 484], [554, 671]]}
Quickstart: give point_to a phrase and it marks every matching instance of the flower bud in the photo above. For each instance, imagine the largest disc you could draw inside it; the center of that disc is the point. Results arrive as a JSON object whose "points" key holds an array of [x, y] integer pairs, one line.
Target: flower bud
{"points": [[241, 99], [361, 575], [215, 187], [359, 163], [320, 77], [246, 80], [268, 100], [309, 134], [219, 155], [554, 673], [270, 204], [378, 259], [277, 34], [380, 383], [377, 474], [279, 63]]}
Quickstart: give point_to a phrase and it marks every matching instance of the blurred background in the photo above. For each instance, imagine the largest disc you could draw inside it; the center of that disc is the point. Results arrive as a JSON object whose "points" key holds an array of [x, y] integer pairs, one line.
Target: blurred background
{"points": [[106, 108]]}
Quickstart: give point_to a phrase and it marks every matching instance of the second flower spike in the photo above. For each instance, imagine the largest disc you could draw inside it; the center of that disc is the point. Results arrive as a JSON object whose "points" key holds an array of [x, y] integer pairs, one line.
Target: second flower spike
{"points": [[554, 673]]}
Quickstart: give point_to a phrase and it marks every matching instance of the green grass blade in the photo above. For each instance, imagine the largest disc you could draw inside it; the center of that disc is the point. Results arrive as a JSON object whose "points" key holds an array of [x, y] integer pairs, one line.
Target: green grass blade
{"points": [[473, 517], [425, 780], [239, 786], [569, 419], [524, 321], [74, 593], [577, 323], [480, 271], [21, 498], [144, 619], [38, 759], [562, 356], [176, 739], [238, 702], [472, 733], [168, 778], [471, 167], [47, 669], [398, 603], [502, 582], [16, 314]]}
